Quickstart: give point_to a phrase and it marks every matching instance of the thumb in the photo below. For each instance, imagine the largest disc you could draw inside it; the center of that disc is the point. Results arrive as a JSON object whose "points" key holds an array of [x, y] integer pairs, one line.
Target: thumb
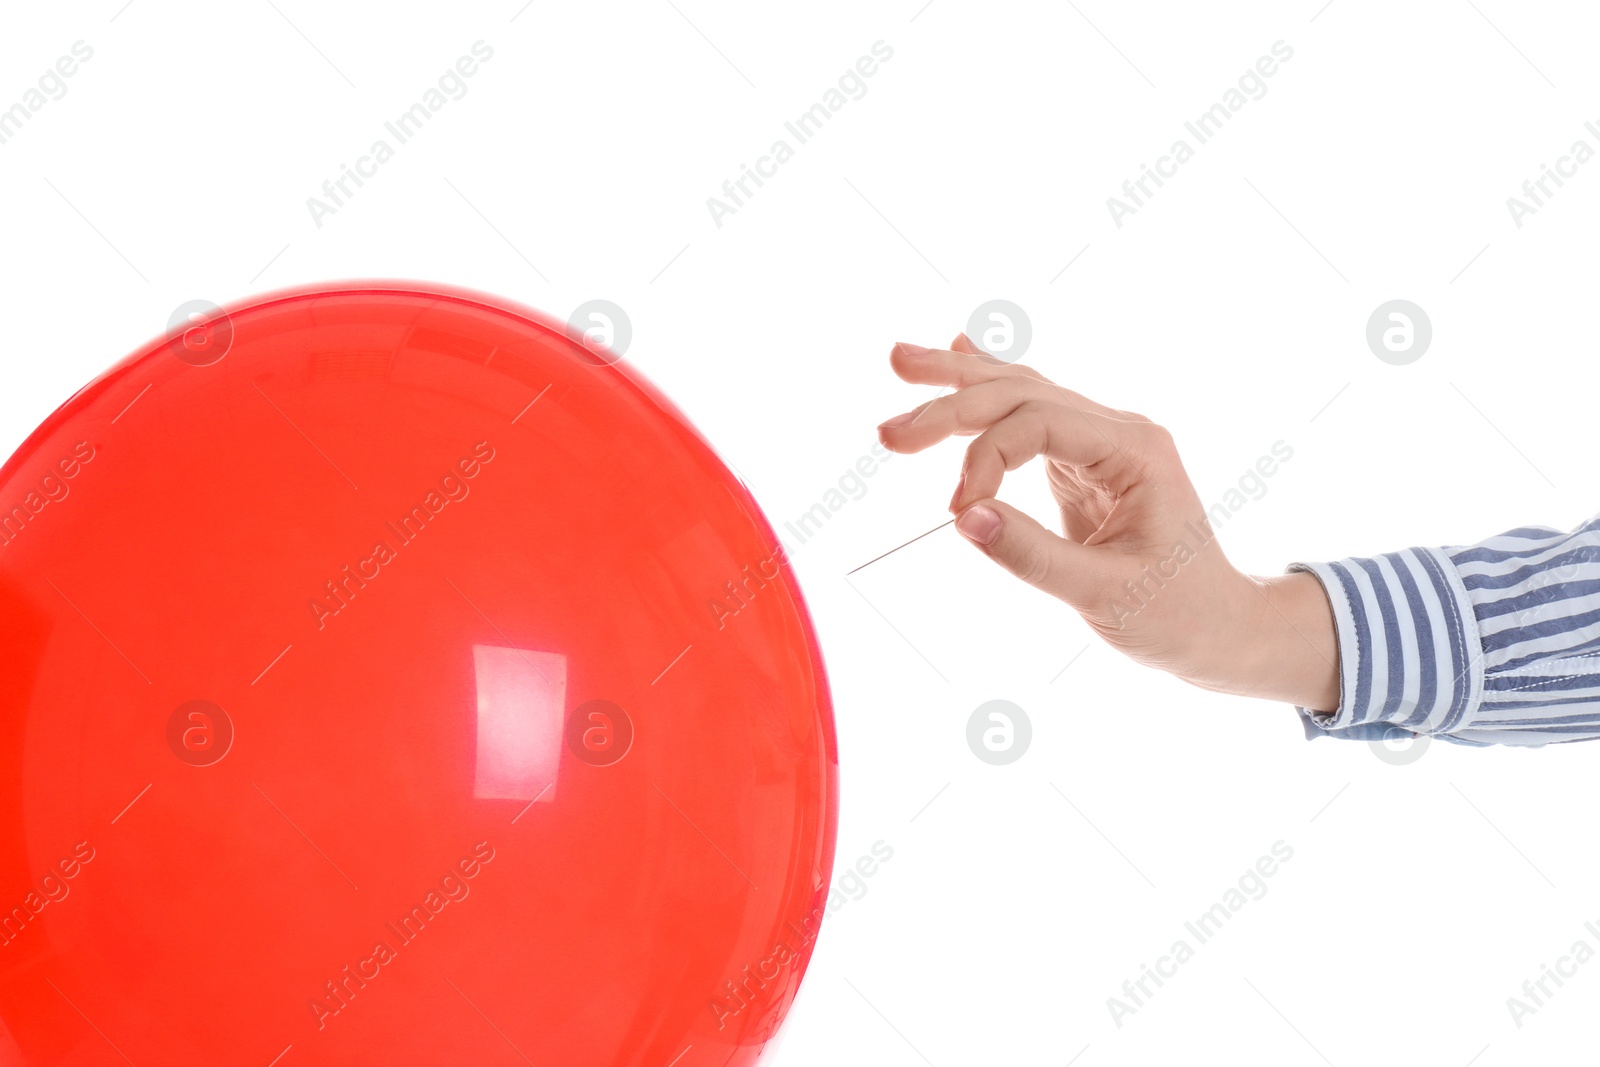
{"points": [[1062, 568]]}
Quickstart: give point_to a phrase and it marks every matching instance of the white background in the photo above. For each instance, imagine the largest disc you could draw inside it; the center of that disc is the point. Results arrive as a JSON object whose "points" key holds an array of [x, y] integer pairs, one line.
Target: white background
{"points": [[1232, 308]]}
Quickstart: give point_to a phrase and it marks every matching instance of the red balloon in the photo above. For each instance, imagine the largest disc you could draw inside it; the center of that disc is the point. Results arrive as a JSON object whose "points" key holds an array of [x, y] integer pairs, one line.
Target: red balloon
{"points": [[388, 676]]}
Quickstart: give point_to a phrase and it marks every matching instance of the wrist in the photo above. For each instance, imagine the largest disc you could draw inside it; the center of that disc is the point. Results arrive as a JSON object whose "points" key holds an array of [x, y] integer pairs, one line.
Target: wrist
{"points": [[1277, 642], [1296, 644]]}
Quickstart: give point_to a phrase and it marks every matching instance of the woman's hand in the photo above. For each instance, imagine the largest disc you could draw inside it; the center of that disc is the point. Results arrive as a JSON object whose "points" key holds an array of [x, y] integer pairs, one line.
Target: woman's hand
{"points": [[1139, 561]]}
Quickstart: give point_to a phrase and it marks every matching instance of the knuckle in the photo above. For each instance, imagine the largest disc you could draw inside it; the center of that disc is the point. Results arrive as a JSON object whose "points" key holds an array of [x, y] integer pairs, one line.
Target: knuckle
{"points": [[1033, 566], [1159, 439]]}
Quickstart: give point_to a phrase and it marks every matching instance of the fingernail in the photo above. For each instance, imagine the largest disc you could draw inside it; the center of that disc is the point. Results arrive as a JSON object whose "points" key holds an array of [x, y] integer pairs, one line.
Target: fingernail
{"points": [[980, 524], [961, 484], [905, 348], [898, 420]]}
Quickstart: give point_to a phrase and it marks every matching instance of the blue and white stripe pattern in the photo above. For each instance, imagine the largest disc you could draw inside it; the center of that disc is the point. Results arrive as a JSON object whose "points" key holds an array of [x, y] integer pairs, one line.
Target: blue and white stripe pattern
{"points": [[1495, 643]]}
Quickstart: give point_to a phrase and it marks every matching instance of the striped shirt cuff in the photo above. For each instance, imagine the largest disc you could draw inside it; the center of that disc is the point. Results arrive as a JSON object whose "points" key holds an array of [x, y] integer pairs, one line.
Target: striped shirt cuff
{"points": [[1410, 655]]}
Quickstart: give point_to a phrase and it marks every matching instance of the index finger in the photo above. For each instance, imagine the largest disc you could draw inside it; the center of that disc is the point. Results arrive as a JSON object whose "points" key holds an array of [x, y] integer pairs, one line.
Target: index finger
{"points": [[958, 370]]}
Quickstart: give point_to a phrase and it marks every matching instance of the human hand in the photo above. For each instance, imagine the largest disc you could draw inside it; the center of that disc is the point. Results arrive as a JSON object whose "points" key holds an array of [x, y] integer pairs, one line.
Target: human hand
{"points": [[1138, 560]]}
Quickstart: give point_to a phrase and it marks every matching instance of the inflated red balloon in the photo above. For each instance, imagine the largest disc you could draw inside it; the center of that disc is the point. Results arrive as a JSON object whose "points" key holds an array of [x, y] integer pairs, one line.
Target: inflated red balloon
{"points": [[389, 677]]}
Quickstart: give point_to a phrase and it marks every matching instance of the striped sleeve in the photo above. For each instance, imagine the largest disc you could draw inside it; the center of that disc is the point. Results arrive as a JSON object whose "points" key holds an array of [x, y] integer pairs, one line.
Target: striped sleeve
{"points": [[1494, 643]]}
